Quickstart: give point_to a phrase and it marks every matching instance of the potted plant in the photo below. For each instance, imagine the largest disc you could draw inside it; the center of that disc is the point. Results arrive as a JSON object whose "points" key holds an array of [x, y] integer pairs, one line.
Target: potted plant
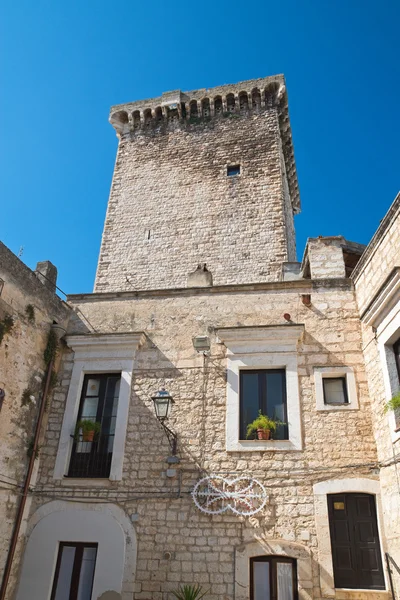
{"points": [[88, 429], [393, 404], [189, 592], [263, 426]]}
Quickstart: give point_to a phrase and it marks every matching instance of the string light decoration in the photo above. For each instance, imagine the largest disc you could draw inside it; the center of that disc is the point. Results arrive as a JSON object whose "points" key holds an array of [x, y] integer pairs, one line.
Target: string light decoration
{"points": [[215, 495]]}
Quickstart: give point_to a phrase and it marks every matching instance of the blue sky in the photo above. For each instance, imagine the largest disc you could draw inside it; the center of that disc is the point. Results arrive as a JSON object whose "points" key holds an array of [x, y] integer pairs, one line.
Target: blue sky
{"points": [[65, 63]]}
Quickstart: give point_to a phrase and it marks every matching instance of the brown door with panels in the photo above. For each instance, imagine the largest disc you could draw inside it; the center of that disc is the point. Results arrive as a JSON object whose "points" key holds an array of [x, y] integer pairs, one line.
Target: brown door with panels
{"points": [[356, 554]]}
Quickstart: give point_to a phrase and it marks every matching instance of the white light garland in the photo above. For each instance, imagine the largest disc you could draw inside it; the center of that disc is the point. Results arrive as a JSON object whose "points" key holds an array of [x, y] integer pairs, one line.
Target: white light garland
{"points": [[215, 495]]}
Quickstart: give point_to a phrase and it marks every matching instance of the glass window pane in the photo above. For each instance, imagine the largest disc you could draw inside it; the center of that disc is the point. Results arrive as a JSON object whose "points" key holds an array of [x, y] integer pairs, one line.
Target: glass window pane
{"points": [[249, 400], [89, 408], [261, 586], [334, 391], [86, 574], [284, 575], [65, 573], [93, 387], [276, 408]]}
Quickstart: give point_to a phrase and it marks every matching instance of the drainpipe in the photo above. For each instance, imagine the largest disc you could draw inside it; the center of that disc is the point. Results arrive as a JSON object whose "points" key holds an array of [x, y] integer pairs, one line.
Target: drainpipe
{"points": [[25, 490]]}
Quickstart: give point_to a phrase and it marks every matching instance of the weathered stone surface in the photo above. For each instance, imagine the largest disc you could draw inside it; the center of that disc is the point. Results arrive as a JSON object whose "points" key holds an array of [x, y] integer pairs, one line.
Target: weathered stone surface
{"points": [[33, 308], [172, 205]]}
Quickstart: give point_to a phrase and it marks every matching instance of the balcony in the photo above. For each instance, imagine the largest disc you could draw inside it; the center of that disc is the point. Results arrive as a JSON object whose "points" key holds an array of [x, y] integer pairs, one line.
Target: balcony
{"points": [[91, 459]]}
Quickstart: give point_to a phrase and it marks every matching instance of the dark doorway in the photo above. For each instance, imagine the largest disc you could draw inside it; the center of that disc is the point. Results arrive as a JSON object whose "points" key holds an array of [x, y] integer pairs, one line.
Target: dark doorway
{"points": [[356, 554]]}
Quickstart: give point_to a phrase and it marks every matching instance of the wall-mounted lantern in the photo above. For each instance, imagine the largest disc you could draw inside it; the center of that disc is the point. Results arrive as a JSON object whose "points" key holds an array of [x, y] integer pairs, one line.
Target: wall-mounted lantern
{"points": [[162, 405]]}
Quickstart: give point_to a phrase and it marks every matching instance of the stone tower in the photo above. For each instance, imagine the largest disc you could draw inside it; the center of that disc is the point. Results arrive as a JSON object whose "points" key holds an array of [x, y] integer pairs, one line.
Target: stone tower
{"points": [[206, 176]]}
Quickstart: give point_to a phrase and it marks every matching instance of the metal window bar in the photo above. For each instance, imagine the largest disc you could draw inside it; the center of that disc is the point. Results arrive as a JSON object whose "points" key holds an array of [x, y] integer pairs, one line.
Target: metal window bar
{"points": [[91, 459]]}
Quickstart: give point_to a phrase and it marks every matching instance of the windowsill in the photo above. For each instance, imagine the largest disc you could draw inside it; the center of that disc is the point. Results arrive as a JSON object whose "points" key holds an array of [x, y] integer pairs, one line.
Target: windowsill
{"points": [[261, 446], [85, 482], [333, 407], [350, 593]]}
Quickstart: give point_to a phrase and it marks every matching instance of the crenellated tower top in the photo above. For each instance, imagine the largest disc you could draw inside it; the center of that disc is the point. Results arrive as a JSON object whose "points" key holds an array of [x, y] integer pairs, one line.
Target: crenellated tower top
{"points": [[175, 109]]}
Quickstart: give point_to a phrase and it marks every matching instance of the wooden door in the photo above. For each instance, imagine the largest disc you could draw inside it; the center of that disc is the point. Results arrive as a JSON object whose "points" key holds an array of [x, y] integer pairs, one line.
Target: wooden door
{"points": [[356, 554]]}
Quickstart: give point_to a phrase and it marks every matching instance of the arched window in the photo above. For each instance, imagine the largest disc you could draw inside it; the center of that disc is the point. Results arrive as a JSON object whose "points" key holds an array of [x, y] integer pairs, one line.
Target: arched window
{"points": [[159, 115], [218, 105], [193, 109], [205, 107], [243, 102], [147, 117], [136, 119], [230, 102], [273, 577], [256, 99]]}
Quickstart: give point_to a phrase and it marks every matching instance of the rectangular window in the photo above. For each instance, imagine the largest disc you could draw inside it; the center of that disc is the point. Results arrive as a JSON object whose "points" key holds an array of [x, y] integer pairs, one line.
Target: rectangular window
{"points": [[92, 454], [73, 579], [233, 170], [335, 390], [273, 578], [263, 390], [396, 351]]}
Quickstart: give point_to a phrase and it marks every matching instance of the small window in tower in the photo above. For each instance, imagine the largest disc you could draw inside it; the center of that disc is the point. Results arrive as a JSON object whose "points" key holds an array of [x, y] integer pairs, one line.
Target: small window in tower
{"points": [[233, 170]]}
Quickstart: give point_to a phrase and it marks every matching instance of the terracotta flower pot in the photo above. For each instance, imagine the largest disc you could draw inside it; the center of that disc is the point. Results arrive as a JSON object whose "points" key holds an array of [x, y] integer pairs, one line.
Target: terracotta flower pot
{"points": [[263, 434], [88, 436]]}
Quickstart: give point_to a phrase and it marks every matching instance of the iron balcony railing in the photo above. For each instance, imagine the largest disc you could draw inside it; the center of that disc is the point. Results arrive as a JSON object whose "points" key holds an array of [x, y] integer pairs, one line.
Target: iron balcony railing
{"points": [[394, 576], [91, 459]]}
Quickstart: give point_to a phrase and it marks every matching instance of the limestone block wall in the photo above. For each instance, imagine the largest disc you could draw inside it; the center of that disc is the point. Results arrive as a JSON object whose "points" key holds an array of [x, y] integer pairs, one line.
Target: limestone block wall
{"points": [[32, 308], [172, 205], [375, 268], [176, 542]]}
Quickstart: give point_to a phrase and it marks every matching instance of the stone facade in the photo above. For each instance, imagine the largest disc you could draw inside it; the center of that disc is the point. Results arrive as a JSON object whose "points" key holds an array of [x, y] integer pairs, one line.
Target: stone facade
{"points": [[172, 205], [202, 548], [30, 308], [376, 280], [226, 264]]}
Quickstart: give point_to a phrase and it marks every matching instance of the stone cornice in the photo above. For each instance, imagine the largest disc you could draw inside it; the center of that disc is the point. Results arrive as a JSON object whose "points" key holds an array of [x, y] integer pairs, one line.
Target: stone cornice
{"points": [[263, 338], [302, 286], [385, 298], [97, 345]]}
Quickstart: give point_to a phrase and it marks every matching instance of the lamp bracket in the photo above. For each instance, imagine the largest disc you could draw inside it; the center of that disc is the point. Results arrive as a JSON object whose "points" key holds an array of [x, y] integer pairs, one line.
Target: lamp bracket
{"points": [[172, 437]]}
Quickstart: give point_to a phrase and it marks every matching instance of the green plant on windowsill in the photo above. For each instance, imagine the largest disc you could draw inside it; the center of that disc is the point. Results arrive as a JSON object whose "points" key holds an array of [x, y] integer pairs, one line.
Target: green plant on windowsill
{"points": [[189, 592], [393, 404], [86, 430], [263, 427]]}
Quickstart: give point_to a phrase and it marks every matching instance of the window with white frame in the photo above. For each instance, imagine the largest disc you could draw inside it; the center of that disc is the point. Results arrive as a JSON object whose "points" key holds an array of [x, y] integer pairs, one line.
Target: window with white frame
{"points": [[335, 388], [92, 449], [99, 391], [262, 375]]}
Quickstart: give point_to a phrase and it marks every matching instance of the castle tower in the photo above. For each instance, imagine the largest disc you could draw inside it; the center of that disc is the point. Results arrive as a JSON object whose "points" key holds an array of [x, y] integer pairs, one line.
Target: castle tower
{"points": [[201, 177]]}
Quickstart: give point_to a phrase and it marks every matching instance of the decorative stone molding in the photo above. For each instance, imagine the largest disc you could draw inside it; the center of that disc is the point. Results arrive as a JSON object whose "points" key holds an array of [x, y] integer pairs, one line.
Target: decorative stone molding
{"points": [[383, 302], [272, 547], [338, 486], [106, 524], [97, 353], [267, 347]]}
